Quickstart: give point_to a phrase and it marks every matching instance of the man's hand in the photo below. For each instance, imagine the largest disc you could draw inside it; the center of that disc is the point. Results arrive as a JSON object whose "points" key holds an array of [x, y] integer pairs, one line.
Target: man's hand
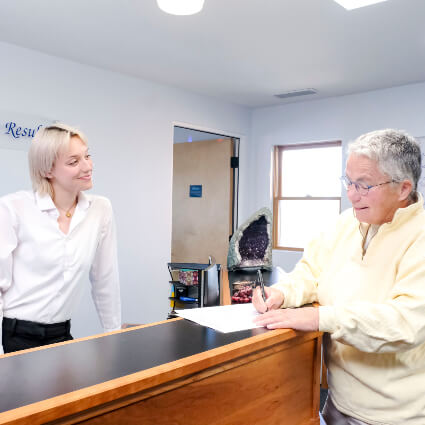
{"points": [[300, 319], [274, 299]]}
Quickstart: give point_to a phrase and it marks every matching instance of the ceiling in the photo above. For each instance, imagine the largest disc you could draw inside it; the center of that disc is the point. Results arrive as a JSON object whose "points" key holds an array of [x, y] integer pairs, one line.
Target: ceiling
{"points": [[240, 51]]}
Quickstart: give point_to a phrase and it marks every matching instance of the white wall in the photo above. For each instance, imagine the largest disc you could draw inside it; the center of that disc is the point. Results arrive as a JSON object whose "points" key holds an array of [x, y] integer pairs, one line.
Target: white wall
{"points": [[129, 124], [340, 118]]}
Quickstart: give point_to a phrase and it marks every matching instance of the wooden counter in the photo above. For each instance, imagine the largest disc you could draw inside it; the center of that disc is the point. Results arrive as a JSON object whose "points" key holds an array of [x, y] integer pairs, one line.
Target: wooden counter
{"points": [[174, 372]]}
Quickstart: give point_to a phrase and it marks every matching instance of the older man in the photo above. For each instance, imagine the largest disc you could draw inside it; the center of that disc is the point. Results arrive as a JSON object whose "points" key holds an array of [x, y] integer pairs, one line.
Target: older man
{"points": [[368, 275]]}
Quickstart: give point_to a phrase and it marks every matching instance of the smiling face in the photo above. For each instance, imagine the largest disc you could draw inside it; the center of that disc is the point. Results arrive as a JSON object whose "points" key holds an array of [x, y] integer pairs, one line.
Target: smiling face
{"points": [[72, 170], [381, 202]]}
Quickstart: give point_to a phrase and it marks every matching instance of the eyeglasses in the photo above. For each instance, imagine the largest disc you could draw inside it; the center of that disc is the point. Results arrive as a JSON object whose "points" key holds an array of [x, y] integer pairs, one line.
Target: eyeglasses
{"points": [[363, 190]]}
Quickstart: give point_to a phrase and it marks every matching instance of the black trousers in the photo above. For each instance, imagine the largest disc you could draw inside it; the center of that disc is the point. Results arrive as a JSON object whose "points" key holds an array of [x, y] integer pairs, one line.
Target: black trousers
{"points": [[23, 334]]}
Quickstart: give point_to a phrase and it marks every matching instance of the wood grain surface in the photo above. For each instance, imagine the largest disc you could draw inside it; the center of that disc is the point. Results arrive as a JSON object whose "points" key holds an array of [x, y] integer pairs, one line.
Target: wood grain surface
{"points": [[264, 369]]}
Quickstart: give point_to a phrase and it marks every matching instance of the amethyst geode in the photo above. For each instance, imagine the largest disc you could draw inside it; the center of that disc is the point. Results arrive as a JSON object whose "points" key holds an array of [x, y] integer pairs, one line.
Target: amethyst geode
{"points": [[251, 244]]}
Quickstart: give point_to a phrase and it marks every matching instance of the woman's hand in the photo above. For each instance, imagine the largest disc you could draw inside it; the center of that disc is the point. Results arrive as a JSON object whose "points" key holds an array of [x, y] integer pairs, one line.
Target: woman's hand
{"points": [[274, 299], [300, 319]]}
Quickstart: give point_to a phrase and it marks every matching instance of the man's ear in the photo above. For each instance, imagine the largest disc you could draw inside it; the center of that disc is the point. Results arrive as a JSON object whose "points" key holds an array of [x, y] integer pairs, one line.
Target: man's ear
{"points": [[405, 189]]}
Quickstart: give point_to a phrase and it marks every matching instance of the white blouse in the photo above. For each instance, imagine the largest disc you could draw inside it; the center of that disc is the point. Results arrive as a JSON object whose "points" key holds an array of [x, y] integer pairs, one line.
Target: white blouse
{"points": [[43, 270]]}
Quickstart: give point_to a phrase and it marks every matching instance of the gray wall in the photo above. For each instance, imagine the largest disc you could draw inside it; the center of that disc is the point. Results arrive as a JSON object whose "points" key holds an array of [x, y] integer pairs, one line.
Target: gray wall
{"points": [[339, 118], [129, 124]]}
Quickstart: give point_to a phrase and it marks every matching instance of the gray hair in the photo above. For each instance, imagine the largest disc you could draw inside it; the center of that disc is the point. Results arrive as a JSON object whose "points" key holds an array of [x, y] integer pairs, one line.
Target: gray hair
{"points": [[45, 148], [397, 153]]}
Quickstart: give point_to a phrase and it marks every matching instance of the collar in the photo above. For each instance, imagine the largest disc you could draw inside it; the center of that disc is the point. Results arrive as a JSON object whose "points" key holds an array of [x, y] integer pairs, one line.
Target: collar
{"points": [[45, 202], [84, 201]]}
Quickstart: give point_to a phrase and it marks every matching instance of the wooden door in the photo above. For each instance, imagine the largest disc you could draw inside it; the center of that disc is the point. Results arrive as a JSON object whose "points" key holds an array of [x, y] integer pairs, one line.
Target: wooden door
{"points": [[202, 225]]}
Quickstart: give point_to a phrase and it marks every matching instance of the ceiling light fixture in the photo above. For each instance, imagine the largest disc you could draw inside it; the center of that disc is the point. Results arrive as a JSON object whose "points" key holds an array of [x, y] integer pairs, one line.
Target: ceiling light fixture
{"points": [[181, 7], [355, 4]]}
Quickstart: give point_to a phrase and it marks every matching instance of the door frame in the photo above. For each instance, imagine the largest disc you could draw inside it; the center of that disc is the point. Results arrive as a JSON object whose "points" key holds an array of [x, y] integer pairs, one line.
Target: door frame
{"points": [[223, 133]]}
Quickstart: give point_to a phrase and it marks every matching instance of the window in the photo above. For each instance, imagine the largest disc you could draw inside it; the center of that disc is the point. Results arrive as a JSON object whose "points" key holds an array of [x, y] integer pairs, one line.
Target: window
{"points": [[307, 192]]}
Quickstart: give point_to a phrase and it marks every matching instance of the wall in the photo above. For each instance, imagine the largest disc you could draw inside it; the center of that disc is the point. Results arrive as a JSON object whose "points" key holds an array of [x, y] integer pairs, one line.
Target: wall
{"points": [[129, 125], [340, 118]]}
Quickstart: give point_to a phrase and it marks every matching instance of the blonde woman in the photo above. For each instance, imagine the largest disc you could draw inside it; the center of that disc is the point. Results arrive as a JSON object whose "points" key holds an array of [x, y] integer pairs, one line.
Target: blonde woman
{"points": [[51, 239]]}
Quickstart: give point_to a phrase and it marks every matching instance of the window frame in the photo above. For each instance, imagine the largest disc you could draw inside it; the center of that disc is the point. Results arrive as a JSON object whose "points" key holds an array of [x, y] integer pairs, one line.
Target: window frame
{"points": [[277, 186]]}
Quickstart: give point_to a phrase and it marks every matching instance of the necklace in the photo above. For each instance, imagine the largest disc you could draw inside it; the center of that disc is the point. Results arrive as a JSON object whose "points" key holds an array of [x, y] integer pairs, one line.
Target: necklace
{"points": [[68, 212]]}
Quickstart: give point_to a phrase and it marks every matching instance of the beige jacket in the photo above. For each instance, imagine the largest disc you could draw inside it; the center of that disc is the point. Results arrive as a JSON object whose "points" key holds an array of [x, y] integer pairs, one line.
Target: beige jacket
{"points": [[373, 309]]}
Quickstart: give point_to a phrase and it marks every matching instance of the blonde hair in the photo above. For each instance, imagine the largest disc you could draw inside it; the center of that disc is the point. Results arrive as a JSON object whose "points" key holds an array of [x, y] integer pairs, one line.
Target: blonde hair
{"points": [[45, 148]]}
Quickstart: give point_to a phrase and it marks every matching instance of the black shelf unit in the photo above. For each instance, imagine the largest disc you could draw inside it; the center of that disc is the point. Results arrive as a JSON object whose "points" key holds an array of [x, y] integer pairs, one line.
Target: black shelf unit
{"points": [[188, 291], [182, 290]]}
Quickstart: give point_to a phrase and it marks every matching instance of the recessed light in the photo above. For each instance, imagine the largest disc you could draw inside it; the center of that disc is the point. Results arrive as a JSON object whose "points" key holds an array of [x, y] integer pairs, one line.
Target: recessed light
{"points": [[355, 4], [181, 7]]}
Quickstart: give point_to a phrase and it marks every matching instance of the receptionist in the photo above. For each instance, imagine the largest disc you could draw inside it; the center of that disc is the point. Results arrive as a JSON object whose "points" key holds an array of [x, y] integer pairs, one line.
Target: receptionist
{"points": [[51, 240]]}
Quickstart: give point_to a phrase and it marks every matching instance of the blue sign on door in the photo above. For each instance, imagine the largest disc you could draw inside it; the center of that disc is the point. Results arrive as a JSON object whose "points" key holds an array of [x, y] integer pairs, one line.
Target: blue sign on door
{"points": [[195, 191]]}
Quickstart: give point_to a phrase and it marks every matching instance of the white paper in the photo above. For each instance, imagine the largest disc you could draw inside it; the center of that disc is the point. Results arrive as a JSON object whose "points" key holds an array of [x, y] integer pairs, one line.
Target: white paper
{"points": [[226, 318]]}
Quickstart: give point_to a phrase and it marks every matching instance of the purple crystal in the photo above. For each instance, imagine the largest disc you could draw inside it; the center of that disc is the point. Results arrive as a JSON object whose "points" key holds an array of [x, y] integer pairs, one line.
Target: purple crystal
{"points": [[254, 241]]}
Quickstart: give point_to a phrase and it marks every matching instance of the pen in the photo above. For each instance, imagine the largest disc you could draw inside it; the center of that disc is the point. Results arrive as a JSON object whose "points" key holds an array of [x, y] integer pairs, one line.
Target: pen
{"points": [[260, 279]]}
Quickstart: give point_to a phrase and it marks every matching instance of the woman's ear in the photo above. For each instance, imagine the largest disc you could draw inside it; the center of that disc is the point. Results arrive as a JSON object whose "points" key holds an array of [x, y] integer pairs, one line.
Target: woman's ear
{"points": [[48, 175], [405, 189]]}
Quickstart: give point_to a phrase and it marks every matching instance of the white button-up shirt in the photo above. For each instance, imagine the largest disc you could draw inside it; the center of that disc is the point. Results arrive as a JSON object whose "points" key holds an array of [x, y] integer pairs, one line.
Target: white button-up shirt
{"points": [[43, 270]]}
